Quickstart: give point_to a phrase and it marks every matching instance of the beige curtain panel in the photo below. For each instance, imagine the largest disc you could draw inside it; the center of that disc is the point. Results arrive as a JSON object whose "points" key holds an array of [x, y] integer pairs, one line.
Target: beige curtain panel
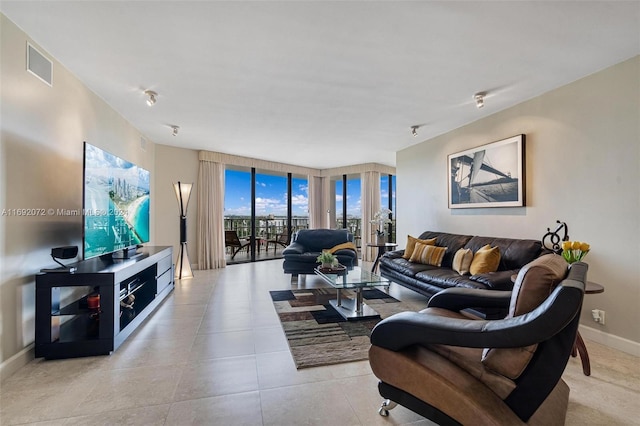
{"points": [[370, 204], [210, 226]]}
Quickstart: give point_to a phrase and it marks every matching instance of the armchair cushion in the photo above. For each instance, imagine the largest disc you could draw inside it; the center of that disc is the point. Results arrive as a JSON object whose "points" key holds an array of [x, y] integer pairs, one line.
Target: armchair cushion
{"points": [[534, 284]]}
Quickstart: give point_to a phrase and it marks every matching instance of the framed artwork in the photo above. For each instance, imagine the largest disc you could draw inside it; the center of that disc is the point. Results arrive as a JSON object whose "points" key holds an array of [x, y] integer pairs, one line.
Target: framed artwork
{"points": [[490, 175]]}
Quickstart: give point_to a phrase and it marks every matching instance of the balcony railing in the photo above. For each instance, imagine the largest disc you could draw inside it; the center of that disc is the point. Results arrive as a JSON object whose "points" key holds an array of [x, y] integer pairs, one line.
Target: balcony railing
{"points": [[269, 227]]}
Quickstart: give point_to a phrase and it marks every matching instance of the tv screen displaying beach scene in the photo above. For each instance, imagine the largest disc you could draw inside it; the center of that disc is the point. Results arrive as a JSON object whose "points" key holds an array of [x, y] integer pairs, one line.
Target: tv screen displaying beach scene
{"points": [[115, 203]]}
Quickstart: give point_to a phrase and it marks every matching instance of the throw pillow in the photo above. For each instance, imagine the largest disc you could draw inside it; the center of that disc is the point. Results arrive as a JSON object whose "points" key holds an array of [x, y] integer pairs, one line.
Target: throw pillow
{"points": [[428, 254], [462, 261], [411, 244], [486, 259]]}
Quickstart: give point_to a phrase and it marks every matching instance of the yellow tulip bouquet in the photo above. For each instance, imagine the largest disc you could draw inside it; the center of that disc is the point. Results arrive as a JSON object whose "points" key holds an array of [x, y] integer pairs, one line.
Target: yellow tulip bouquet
{"points": [[574, 251]]}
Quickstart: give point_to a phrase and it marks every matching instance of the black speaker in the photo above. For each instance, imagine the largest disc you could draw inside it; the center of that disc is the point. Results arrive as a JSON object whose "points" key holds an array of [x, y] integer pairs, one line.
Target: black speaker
{"points": [[66, 252]]}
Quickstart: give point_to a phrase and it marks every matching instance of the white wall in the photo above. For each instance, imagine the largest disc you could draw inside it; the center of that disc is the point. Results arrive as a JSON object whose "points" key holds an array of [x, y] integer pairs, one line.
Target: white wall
{"points": [[173, 165], [41, 149], [582, 167]]}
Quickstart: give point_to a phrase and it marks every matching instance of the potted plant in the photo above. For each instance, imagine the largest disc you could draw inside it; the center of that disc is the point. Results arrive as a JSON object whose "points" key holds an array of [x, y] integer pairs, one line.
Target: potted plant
{"points": [[327, 259], [380, 220]]}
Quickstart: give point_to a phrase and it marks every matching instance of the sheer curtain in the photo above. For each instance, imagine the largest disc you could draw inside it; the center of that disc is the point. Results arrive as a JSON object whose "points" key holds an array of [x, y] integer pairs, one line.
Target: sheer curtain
{"points": [[370, 186], [210, 224]]}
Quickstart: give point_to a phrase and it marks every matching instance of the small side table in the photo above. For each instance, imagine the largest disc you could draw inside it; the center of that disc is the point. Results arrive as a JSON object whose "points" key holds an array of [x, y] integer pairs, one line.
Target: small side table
{"points": [[382, 249], [579, 347]]}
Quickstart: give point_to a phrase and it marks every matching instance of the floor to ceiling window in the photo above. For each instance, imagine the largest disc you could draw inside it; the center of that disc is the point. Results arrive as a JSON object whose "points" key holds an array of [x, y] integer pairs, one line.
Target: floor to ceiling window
{"points": [[388, 200], [262, 215]]}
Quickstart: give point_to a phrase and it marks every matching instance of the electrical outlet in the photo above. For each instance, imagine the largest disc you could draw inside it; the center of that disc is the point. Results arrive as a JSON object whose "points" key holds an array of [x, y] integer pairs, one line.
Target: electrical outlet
{"points": [[598, 316]]}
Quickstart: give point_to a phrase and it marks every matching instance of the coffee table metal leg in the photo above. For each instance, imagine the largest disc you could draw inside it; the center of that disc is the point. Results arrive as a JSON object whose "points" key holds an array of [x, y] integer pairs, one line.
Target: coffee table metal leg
{"points": [[359, 301], [339, 298]]}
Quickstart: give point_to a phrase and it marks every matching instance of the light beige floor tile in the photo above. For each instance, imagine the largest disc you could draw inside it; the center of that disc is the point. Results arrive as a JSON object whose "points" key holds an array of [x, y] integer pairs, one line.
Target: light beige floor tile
{"points": [[175, 311], [217, 377], [362, 394], [41, 403], [270, 339], [130, 388], [220, 322], [167, 329], [222, 345], [228, 410], [323, 403], [144, 416], [152, 352]]}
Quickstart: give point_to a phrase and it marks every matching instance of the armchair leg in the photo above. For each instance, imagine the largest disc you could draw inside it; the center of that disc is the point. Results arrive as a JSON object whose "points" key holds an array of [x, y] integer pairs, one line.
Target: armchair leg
{"points": [[386, 405]]}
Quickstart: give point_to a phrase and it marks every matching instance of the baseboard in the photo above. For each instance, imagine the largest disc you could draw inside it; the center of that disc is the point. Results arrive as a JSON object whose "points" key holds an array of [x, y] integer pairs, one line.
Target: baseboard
{"points": [[16, 362], [611, 340]]}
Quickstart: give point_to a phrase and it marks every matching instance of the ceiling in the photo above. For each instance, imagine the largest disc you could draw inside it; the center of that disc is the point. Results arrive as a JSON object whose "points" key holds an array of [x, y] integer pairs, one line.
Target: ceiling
{"points": [[323, 84]]}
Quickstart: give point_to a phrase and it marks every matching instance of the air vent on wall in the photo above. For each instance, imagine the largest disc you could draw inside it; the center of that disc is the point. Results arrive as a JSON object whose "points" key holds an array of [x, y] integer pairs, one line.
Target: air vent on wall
{"points": [[39, 65]]}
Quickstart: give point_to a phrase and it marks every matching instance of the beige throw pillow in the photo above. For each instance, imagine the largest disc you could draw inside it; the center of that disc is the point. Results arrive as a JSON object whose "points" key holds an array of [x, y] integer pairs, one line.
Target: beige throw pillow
{"points": [[485, 260], [428, 254], [462, 261], [411, 243]]}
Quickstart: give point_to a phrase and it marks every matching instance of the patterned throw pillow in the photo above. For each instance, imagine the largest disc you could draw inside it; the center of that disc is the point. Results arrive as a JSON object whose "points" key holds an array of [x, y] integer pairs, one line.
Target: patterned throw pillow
{"points": [[411, 243], [462, 261], [428, 254], [485, 260]]}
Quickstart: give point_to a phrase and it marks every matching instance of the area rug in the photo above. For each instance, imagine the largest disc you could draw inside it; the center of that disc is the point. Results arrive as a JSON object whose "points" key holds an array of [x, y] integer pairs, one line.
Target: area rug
{"points": [[318, 335]]}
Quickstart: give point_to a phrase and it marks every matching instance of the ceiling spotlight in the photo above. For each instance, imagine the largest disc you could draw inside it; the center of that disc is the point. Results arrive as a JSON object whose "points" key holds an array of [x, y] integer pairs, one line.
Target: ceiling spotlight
{"points": [[479, 98], [174, 130], [152, 97], [414, 130]]}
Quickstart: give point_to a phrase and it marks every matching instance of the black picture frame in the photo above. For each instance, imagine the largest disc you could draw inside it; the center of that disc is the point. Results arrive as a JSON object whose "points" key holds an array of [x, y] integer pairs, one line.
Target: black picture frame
{"points": [[491, 175]]}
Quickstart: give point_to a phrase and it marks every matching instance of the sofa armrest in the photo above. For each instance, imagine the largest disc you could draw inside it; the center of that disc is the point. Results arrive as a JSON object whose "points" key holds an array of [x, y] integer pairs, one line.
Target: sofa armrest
{"points": [[393, 254], [294, 248], [499, 280], [405, 329], [458, 298]]}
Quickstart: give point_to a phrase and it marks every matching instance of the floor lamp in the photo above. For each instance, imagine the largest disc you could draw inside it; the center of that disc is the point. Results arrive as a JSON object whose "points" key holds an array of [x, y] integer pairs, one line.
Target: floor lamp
{"points": [[183, 267]]}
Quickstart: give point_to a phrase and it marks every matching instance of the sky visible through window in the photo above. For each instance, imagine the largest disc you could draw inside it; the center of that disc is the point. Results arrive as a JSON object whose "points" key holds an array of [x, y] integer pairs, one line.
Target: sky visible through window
{"points": [[271, 195]]}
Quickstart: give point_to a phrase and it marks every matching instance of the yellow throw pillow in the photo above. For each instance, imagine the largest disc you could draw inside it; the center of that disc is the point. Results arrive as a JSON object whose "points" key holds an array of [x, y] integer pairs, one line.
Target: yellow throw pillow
{"points": [[462, 261], [486, 259], [411, 243], [427, 254]]}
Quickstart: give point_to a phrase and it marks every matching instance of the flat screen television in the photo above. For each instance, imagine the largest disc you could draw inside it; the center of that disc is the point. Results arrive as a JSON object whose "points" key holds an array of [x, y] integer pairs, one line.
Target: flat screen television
{"points": [[115, 203]]}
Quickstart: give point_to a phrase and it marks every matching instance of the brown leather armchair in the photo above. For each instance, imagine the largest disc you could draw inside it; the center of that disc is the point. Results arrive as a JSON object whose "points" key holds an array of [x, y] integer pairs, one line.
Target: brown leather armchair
{"points": [[435, 362]]}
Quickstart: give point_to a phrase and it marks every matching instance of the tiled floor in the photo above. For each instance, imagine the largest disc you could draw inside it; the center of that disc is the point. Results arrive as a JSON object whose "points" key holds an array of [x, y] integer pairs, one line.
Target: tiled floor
{"points": [[214, 354]]}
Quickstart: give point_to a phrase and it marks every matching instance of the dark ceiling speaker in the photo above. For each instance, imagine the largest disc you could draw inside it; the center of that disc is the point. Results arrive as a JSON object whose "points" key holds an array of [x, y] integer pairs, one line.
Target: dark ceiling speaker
{"points": [[66, 252]]}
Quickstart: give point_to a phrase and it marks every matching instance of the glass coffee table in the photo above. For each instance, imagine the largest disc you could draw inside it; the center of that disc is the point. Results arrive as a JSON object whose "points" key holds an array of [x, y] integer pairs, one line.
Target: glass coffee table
{"points": [[356, 279]]}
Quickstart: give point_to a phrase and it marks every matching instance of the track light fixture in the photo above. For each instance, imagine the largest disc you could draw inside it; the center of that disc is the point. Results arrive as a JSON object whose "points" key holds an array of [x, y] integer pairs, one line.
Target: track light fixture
{"points": [[479, 98], [174, 130], [414, 130], [151, 97]]}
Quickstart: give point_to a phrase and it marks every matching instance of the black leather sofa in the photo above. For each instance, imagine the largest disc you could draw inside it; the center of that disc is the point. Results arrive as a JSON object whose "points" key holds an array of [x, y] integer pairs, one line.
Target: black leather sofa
{"points": [[428, 280], [307, 244]]}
